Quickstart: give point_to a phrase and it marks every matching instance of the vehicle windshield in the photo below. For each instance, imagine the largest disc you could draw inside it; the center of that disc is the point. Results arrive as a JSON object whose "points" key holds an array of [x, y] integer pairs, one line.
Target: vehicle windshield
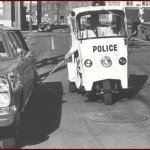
{"points": [[103, 23]]}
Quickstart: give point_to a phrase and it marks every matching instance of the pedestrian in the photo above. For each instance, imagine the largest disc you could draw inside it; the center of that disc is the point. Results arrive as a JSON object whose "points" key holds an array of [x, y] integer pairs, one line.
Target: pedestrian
{"points": [[135, 24]]}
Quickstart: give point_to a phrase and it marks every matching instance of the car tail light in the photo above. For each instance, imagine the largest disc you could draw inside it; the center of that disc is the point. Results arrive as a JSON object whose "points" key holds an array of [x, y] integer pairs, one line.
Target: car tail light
{"points": [[4, 93], [106, 61], [122, 61]]}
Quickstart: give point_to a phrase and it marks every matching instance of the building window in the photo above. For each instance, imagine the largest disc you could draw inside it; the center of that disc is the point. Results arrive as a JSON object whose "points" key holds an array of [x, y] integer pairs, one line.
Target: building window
{"points": [[1, 7], [145, 3], [49, 7], [129, 3]]}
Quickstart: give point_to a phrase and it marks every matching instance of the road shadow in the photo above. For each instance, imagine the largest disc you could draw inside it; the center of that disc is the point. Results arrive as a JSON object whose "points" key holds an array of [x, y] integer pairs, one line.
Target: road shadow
{"points": [[136, 83], [49, 61], [42, 114]]}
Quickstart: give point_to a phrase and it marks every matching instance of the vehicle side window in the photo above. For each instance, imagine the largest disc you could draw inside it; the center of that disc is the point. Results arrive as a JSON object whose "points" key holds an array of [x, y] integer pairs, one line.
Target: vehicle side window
{"points": [[14, 39], [2, 49], [20, 40], [12, 45]]}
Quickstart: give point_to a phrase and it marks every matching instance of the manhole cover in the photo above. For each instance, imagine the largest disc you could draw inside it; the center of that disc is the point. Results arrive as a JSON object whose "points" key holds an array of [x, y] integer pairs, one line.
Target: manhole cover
{"points": [[117, 117]]}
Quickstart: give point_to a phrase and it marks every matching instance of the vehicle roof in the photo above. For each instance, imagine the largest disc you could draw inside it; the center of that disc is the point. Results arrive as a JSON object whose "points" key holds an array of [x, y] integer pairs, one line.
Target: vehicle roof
{"points": [[96, 8], [4, 28]]}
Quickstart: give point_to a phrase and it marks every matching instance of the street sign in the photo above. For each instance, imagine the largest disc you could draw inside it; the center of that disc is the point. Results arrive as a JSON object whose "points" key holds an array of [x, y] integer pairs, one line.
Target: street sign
{"points": [[115, 3], [141, 11]]}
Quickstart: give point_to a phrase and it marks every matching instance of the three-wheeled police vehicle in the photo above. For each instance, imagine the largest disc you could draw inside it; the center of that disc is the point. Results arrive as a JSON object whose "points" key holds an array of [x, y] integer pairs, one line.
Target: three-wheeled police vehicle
{"points": [[99, 63]]}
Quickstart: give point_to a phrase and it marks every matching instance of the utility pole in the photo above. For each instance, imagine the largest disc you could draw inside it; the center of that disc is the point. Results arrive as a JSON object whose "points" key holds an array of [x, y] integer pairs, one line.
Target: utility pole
{"points": [[58, 5], [39, 3], [30, 24]]}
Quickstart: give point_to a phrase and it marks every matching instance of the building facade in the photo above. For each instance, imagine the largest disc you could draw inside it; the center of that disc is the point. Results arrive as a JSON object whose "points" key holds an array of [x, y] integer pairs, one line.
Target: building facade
{"points": [[54, 11], [6, 13], [16, 13]]}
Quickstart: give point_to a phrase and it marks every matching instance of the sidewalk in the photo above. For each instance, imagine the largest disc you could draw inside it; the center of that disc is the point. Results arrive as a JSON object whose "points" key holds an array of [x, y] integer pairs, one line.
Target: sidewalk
{"points": [[26, 33]]}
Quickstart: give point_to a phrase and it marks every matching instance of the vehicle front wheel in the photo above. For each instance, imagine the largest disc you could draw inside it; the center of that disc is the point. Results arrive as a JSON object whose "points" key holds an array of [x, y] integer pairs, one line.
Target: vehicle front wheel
{"points": [[108, 99], [72, 87]]}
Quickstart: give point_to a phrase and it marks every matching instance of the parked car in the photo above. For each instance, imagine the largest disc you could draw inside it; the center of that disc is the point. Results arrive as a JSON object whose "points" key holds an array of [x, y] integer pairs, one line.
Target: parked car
{"points": [[45, 26], [17, 79]]}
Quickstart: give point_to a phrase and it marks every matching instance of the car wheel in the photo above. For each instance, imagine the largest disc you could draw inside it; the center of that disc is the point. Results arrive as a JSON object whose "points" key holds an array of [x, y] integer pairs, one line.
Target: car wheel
{"points": [[108, 100], [91, 97], [72, 87], [147, 37], [11, 141]]}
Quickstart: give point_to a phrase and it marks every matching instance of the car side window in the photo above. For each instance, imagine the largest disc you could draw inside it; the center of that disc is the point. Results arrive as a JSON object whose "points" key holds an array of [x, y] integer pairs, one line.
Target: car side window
{"points": [[14, 39], [3, 52], [2, 49], [21, 45], [21, 40], [12, 45]]}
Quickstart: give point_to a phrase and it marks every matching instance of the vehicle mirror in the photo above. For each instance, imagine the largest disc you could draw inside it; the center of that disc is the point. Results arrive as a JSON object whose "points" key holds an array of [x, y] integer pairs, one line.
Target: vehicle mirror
{"points": [[20, 52]]}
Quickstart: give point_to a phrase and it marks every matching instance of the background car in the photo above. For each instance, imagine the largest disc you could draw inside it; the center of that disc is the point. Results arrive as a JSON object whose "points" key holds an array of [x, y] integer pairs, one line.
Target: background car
{"points": [[45, 26], [17, 79]]}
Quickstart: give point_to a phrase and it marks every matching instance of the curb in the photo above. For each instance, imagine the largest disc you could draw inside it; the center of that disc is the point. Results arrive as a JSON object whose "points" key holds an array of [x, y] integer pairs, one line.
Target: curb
{"points": [[28, 32]]}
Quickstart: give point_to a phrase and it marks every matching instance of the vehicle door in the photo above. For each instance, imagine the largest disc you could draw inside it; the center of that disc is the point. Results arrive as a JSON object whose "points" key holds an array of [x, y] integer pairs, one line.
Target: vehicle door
{"points": [[30, 54], [23, 63]]}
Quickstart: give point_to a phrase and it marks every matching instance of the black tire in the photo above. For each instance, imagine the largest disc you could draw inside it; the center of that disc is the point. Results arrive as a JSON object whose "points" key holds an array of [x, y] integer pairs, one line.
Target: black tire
{"points": [[147, 37], [91, 97], [72, 87], [108, 100]]}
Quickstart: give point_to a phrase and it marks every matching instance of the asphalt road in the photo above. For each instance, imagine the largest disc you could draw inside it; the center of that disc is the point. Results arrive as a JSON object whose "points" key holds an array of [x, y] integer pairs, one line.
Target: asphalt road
{"points": [[56, 118]]}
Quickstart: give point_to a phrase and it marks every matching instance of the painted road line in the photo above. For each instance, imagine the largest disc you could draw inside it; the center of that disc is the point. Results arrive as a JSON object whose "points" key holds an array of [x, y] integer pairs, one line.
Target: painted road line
{"points": [[52, 43]]}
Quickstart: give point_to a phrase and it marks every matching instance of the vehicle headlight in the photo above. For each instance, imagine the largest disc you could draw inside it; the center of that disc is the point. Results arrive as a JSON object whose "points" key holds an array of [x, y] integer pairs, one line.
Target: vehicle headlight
{"points": [[106, 61], [4, 93], [122, 61], [88, 63]]}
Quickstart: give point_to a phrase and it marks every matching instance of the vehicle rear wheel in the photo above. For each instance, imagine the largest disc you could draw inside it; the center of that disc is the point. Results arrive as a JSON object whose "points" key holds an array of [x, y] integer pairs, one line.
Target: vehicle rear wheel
{"points": [[72, 87], [108, 100]]}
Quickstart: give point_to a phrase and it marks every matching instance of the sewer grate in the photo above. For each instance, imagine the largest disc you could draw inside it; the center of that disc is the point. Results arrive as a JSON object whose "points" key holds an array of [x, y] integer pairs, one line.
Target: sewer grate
{"points": [[117, 117]]}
